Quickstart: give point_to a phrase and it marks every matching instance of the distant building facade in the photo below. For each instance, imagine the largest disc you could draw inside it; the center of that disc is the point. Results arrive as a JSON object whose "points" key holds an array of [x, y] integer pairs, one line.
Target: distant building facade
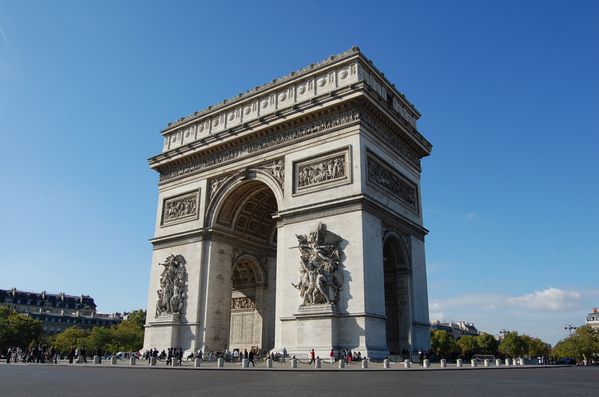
{"points": [[455, 329], [57, 312], [593, 318]]}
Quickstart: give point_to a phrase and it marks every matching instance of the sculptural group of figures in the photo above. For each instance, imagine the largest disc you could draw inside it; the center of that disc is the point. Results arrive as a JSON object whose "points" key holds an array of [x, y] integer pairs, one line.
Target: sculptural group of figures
{"points": [[321, 278], [321, 171], [172, 286]]}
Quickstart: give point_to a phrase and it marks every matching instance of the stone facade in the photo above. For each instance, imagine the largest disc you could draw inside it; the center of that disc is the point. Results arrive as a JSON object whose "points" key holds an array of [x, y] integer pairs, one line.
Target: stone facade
{"points": [[297, 209]]}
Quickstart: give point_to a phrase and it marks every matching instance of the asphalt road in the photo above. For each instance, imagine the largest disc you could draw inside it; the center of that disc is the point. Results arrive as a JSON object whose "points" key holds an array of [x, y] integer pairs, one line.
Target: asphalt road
{"points": [[48, 380]]}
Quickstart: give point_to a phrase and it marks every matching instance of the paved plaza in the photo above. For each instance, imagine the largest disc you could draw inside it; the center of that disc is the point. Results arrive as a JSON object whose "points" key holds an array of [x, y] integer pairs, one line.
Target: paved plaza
{"points": [[140, 380]]}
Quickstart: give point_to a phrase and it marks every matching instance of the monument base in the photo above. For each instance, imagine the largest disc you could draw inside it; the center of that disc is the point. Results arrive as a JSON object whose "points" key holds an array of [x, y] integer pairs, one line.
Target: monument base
{"points": [[162, 332], [322, 328]]}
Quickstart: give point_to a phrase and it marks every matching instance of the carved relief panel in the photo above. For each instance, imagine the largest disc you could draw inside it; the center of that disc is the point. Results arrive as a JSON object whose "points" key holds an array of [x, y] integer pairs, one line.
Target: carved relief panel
{"points": [[384, 178], [322, 172], [181, 208]]}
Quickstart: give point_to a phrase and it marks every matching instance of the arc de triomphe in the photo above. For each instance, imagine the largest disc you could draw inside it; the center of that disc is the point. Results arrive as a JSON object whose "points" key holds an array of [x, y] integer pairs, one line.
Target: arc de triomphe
{"points": [[290, 217]]}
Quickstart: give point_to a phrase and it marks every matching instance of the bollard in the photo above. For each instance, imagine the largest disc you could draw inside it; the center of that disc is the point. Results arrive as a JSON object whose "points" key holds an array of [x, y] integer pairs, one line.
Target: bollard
{"points": [[317, 363], [293, 363], [113, 360], [96, 359], [458, 363], [269, 363], [508, 362], [386, 363], [486, 362], [132, 360], [407, 364], [521, 361], [153, 361], [197, 362], [365, 363], [79, 359], [426, 363], [220, 363], [443, 363], [473, 363], [245, 363], [342, 363], [174, 362], [497, 362]]}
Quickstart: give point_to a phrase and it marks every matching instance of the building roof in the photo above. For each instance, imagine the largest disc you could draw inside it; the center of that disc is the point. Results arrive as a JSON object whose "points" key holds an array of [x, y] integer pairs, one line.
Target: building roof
{"points": [[38, 299]]}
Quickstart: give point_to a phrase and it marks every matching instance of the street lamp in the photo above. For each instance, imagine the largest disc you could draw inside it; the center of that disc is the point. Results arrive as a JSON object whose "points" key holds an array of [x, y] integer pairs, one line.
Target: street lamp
{"points": [[570, 327]]}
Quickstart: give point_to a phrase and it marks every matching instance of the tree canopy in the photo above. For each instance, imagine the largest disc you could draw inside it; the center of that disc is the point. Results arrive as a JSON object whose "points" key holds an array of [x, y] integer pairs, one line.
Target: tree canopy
{"points": [[581, 345], [17, 330]]}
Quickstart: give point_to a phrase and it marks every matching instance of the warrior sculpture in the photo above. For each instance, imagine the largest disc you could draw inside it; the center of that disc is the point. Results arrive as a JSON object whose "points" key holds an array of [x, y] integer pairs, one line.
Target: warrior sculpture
{"points": [[321, 278], [172, 286]]}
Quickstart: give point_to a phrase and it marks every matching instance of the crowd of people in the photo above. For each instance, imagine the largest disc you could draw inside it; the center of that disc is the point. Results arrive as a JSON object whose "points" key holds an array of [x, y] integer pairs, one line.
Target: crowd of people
{"points": [[35, 354]]}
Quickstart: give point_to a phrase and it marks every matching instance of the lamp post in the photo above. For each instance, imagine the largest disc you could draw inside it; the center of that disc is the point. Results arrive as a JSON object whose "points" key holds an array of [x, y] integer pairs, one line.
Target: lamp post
{"points": [[570, 327]]}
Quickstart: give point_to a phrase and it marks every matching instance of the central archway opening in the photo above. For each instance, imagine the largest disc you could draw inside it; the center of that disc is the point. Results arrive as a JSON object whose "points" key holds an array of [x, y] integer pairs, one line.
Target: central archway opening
{"points": [[397, 297], [247, 216]]}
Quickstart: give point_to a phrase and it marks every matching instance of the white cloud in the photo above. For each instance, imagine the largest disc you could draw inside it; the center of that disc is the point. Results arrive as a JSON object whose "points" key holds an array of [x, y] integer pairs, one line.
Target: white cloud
{"points": [[553, 299]]}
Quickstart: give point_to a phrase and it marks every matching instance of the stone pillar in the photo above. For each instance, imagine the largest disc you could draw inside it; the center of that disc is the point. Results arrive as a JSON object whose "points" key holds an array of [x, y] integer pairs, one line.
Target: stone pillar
{"points": [[269, 363], [317, 363], [245, 363], [132, 360], [458, 363], [426, 363], [174, 361], [113, 360], [293, 363], [197, 362], [220, 363], [386, 363], [473, 363], [443, 363], [407, 363], [497, 362], [79, 359], [365, 363], [342, 363], [153, 361], [96, 359], [508, 362], [486, 362]]}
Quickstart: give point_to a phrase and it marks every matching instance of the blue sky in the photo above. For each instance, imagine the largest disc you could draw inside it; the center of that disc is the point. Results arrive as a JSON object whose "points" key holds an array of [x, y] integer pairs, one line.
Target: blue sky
{"points": [[509, 93]]}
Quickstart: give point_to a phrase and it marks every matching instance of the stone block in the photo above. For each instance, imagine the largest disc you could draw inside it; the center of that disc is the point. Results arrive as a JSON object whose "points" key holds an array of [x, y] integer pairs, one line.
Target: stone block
{"points": [[365, 363], [197, 362], [443, 363], [132, 360], [459, 363]]}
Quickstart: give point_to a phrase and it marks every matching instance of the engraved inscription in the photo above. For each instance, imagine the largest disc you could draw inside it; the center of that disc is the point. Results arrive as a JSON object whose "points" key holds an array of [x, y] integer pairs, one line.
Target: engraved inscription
{"points": [[390, 181], [180, 208]]}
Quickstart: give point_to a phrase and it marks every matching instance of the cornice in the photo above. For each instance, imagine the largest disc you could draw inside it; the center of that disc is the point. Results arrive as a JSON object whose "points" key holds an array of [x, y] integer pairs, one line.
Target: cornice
{"points": [[294, 93], [298, 74]]}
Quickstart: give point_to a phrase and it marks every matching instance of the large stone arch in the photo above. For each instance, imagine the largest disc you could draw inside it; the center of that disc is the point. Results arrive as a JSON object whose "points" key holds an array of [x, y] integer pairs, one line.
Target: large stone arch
{"points": [[242, 246], [398, 288], [238, 184]]}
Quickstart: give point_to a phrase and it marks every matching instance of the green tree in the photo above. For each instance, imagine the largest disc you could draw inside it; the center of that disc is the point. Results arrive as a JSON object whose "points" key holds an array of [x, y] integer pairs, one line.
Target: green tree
{"points": [[17, 329], [513, 345], [70, 337], [536, 347], [129, 335], [486, 344], [442, 343], [99, 338], [582, 345], [467, 345]]}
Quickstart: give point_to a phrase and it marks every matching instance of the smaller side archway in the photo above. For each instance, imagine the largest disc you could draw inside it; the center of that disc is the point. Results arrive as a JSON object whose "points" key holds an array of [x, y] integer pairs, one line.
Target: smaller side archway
{"points": [[248, 305], [398, 294]]}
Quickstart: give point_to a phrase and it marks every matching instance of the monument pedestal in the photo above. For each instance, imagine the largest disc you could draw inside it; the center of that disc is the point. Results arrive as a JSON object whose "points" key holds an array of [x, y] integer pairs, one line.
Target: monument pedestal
{"points": [[164, 331], [315, 326]]}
